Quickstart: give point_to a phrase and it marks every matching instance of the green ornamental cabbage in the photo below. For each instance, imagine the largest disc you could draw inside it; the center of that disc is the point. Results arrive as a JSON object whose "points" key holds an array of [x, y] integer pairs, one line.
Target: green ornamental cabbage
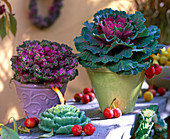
{"points": [[62, 118], [117, 41]]}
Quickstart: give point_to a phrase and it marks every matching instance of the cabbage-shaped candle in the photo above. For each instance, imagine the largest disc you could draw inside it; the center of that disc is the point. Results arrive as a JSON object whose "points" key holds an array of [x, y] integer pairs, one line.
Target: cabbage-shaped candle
{"points": [[62, 118]]}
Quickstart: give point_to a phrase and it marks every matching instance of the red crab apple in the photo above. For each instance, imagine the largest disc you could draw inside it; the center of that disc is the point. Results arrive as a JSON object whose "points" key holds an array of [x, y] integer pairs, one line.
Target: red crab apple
{"points": [[108, 113], [86, 90], [36, 120], [153, 91], [89, 129], [92, 96], [30, 122], [92, 90], [117, 112], [161, 91], [78, 96], [77, 130], [150, 72], [158, 69], [85, 98]]}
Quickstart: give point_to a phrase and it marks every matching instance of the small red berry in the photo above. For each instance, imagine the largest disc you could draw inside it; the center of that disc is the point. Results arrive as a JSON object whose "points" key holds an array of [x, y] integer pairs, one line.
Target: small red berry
{"points": [[85, 99], [158, 69], [108, 113], [92, 90], [36, 120], [92, 96], [86, 90], [89, 129], [150, 76], [161, 91], [150, 71], [30, 122], [117, 112], [78, 96], [153, 91], [77, 130]]}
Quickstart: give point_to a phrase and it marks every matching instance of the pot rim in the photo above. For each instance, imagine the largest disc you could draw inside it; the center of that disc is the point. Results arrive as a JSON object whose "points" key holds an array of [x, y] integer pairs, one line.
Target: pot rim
{"points": [[106, 70], [29, 85]]}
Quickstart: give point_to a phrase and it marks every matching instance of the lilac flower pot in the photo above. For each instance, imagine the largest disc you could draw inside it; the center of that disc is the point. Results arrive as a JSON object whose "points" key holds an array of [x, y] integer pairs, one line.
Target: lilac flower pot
{"points": [[36, 98]]}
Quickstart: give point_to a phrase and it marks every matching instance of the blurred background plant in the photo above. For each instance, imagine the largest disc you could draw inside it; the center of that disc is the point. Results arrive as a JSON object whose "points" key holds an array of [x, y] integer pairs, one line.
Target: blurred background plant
{"points": [[7, 20], [156, 12]]}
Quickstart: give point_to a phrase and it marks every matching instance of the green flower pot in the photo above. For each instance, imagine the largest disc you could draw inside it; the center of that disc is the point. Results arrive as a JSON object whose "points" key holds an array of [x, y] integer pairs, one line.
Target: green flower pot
{"points": [[108, 85]]}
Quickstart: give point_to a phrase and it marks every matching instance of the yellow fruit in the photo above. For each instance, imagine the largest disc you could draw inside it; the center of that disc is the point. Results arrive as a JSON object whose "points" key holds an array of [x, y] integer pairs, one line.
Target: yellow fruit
{"points": [[155, 62], [167, 63], [164, 53], [163, 60], [168, 56], [148, 96], [140, 94], [155, 57], [163, 49], [168, 50]]}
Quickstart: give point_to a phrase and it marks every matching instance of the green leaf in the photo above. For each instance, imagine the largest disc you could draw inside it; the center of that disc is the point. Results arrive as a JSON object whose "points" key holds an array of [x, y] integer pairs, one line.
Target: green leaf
{"points": [[104, 37], [105, 59], [89, 37], [82, 45], [7, 25], [22, 129], [127, 53], [145, 33], [2, 27], [122, 65], [115, 44], [139, 56], [116, 57], [143, 42], [90, 64], [87, 56], [13, 24], [88, 25], [139, 19], [8, 133], [47, 135], [15, 124], [139, 50]]}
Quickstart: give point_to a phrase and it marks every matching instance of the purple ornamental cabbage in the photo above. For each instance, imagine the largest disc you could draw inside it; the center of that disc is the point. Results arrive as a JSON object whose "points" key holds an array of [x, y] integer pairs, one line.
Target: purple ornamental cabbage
{"points": [[44, 62], [117, 41]]}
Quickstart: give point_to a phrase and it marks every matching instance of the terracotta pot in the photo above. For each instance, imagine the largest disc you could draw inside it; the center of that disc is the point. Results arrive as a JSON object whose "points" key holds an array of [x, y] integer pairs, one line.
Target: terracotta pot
{"points": [[108, 85], [36, 98]]}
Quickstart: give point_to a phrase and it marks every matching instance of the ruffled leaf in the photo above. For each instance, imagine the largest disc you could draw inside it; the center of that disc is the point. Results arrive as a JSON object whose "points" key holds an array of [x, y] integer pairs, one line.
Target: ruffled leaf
{"points": [[105, 59], [91, 65], [82, 45], [122, 65], [115, 44], [87, 56], [62, 118], [139, 20]]}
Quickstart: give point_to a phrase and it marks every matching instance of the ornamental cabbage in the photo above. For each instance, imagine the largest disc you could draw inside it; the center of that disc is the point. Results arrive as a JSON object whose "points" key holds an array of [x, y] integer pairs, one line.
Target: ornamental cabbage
{"points": [[62, 118], [117, 41], [45, 62]]}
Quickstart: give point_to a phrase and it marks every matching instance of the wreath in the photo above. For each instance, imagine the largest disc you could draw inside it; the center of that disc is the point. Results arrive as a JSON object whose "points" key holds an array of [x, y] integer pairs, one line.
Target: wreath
{"points": [[44, 22]]}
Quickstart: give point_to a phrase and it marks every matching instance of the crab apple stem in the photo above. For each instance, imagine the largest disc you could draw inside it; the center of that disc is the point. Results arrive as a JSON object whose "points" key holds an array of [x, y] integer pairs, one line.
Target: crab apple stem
{"points": [[112, 103], [9, 120], [26, 114]]}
